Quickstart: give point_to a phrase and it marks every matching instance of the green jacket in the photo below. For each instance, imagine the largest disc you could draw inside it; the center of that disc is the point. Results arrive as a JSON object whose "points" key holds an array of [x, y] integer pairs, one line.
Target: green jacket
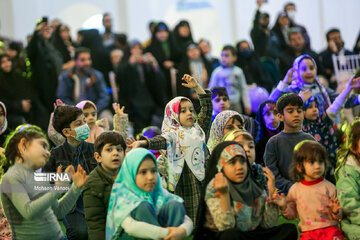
{"points": [[348, 193], [96, 200]]}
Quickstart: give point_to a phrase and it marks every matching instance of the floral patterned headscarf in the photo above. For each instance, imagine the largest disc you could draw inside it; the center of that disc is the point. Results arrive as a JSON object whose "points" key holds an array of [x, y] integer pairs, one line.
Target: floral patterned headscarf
{"points": [[183, 145], [218, 125]]}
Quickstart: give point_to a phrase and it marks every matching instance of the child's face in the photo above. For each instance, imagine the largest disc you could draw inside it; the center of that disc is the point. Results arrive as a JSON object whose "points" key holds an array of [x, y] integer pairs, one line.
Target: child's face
{"points": [[111, 158], [186, 115], [312, 112], [249, 147], [79, 121], [2, 116], [6, 64], [35, 153], [232, 124], [270, 116], [227, 59], [220, 103], [236, 169], [313, 170], [90, 116], [307, 70], [162, 35], [193, 53], [146, 177], [292, 117]]}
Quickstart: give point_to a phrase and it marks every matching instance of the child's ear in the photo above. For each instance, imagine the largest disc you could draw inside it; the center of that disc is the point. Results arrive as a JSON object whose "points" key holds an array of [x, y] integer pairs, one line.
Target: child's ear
{"points": [[281, 117], [22, 146], [299, 168], [97, 157], [66, 132]]}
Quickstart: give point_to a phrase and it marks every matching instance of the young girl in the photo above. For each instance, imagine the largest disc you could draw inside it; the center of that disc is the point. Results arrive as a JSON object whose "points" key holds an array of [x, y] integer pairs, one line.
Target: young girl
{"points": [[247, 142], [183, 162], [347, 185], [303, 76], [33, 213], [4, 131], [236, 203], [312, 198], [270, 125], [139, 208], [224, 122], [322, 128]]}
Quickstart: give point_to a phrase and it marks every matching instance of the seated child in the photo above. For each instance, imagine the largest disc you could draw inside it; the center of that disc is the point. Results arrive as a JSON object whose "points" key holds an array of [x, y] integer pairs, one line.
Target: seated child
{"points": [[33, 214], [312, 198], [109, 153], [347, 181], [139, 208], [279, 149], [70, 122], [220, 101], [182, 165], [236, 203]]}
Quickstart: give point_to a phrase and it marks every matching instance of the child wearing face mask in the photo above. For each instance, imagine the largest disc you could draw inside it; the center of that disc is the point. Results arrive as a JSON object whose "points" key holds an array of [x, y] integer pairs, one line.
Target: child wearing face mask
{"points": [[32, 213], [303, 76], [70, 122], [270, 125], [322, 128], [236, 202], [183, 147], [139, 208]]}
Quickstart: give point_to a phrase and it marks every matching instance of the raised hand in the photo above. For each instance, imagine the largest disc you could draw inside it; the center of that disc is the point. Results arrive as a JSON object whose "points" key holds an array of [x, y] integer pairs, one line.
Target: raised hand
{"points": [[132, 143], [354, 82], [270, 180], [335, 208], [305, 95], [175, 233], [289, 76], [79, 177], [118, 110], [192, 83], [220, 183]]}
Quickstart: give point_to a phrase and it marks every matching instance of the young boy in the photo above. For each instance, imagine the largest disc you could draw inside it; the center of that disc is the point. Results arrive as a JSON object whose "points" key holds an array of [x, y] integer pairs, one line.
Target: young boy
{"points": [[70, 122], [280, 148], [233, 79], [109, 153], [220, 101]]}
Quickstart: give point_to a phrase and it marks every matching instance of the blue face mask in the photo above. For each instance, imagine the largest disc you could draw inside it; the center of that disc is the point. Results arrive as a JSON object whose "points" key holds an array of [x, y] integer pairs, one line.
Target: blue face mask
{"points": [[82, 132]]}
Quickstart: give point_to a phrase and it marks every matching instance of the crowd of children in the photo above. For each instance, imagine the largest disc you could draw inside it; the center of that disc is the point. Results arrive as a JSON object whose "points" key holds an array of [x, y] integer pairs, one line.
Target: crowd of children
{"points": [[206, 165]]}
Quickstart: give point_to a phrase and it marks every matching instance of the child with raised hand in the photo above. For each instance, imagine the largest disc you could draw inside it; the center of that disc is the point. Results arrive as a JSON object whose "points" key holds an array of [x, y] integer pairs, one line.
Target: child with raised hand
{"points": [[347, 181], [322, 127], [109, 153], [312, 198], [33, 214], [139, 208], [237, 206], [303, 76], [183, 146]]}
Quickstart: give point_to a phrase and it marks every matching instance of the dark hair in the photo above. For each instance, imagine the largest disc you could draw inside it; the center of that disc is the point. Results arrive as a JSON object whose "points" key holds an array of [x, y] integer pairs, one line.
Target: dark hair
{"points": [[332, 30], [229, 48], [63, 116], [305, 151], [111, 137], [219, 92], [204, 40], [11, 149], [240, 42], [106, 14], [289, 4], [289, 99], [80, 50], [294, 30]]}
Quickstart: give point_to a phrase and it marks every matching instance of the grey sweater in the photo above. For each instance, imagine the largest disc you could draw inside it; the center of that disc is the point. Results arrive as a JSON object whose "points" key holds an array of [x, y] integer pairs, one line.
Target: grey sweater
{"points": [[278, 156], [33, 214]]}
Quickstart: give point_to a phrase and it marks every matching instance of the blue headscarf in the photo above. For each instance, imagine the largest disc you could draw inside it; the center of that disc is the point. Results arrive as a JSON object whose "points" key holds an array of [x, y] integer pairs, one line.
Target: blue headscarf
{"points": [[126, 196]]}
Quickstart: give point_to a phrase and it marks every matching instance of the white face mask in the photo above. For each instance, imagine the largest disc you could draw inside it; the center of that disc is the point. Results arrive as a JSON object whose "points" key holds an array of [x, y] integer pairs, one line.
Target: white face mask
{"points": [[291, 14]]}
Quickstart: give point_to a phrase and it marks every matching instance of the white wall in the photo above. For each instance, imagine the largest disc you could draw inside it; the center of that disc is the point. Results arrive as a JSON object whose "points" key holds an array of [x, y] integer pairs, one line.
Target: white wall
{"points": [[226, 21]]}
